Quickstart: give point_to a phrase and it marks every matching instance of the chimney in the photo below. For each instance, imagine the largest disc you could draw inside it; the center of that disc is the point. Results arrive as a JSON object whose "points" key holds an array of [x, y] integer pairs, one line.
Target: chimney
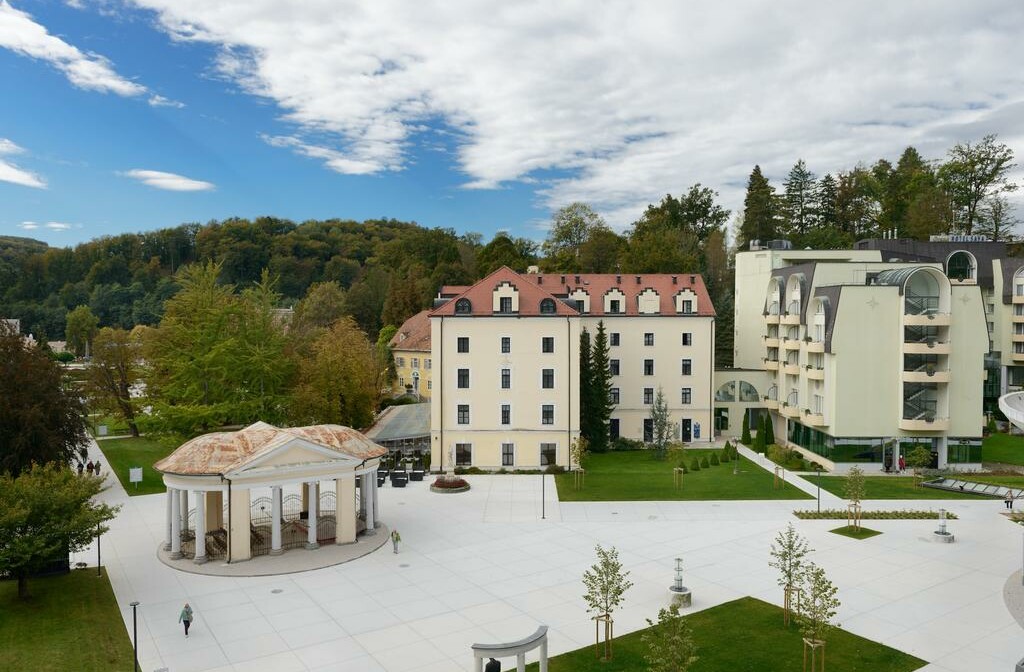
{"points": [[693, 279], [675, 280], [618, 279], [638, 279], [563, 279]]}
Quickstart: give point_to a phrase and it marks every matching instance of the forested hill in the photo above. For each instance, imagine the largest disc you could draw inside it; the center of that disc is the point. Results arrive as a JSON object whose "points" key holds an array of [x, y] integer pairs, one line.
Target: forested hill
{"points": [[125, 279]]}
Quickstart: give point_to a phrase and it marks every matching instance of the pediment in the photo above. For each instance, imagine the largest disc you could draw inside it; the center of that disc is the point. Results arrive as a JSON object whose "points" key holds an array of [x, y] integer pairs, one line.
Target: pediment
{"points": [[295, 452]]}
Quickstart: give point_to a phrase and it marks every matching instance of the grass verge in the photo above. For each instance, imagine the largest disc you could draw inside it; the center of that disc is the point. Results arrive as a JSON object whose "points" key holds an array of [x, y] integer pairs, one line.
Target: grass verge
{"points": [[637, 476], [122, 454], [1003, 448], [855, 532], [889, 487], [745, 635], [70, 622]]}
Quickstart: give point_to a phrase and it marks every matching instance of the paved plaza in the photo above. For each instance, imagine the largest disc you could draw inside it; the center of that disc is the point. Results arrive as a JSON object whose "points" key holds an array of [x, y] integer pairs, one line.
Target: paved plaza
{"points": [[483, 567]]}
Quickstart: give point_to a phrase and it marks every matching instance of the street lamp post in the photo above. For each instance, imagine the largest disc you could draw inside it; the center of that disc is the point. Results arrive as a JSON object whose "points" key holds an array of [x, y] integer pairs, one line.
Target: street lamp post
{"points": [[135, 633], [543, 504], [817, 469], [99, 572]]}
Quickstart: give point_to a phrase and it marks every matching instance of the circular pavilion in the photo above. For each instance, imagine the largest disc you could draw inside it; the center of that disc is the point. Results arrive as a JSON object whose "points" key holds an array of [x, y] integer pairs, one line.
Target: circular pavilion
{"points": [[285, 469]]}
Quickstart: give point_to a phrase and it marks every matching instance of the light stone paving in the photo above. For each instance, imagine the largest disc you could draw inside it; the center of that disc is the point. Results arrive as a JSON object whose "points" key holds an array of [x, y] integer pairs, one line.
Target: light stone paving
{"points": [[481, 566]]}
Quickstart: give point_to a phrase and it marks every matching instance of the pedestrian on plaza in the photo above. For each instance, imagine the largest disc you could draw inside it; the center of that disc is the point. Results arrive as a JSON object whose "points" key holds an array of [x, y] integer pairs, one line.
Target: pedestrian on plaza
{"points": [[395, 539], [96, 468], [1008, 499], [88, 467], [186, 617], [903, 464], [81, 468]]}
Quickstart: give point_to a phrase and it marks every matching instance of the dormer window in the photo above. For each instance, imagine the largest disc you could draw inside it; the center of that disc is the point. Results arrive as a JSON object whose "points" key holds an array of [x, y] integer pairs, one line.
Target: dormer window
{"points": [[463, 307], [547, 306], [505, 304]]}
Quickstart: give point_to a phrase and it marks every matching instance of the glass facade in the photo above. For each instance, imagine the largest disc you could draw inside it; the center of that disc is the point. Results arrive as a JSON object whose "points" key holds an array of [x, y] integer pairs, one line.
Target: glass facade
{"points": [[963, 451]]}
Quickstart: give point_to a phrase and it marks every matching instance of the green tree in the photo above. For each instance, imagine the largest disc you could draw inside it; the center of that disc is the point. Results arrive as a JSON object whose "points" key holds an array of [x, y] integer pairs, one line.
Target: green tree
{"points": [[818, 605], [759, 440], [745, 431], [503, 250], [385, 357], [262, 371], [669, 642], [606, 583], [571, 227], [588, 392], [853, 489], [323, 304], [929, 213], [662, 425], [973, 173], [857, 206], [997, 219], [40, 419], [114, 370], [800, 188], [917, 459], [81, 328], [788, 553], [602, 407], [601, 251], [769, 430], [825, 201], [760, 210], [47, 512]]}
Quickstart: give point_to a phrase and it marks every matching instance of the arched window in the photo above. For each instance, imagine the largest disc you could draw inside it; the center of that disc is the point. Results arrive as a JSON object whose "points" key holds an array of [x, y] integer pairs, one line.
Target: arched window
{"points": [[727, 392], [960, 266], [748, 392], [547, 306], [463, 307]]}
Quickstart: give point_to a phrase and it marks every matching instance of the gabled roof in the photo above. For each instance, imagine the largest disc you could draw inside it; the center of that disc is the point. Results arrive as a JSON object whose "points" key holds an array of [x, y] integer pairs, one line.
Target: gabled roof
{"points": [[480, 296], [224, 452], [667, 285], [414, 334]]}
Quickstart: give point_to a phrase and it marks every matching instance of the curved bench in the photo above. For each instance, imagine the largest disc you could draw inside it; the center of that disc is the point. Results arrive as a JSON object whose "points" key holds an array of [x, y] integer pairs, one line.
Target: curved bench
{"points": [[517, 648]]}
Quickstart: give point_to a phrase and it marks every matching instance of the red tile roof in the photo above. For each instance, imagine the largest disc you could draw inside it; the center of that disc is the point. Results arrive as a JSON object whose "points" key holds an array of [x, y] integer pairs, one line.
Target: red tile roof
{"points": [[480, 296], [535, 286], [414, 334], [667, 285]]}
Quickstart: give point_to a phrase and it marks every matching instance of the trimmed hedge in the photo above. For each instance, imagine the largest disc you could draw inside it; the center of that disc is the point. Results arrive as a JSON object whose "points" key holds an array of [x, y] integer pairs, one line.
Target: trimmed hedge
{"points": [[842, 514]]}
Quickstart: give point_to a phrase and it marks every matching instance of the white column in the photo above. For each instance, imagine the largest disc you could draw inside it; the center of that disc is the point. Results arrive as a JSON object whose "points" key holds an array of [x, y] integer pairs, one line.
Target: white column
{"points": [[275, 523], [200, 556], [521, 662], [311, 540], [369, 483], [544, 654], [183, 501], [375, 502], [363, 490], [170, 513], [175, 527]]}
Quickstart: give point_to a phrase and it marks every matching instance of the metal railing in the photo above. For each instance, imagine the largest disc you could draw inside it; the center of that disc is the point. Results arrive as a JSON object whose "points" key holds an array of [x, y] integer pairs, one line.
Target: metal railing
{"points": [[921, 305]]}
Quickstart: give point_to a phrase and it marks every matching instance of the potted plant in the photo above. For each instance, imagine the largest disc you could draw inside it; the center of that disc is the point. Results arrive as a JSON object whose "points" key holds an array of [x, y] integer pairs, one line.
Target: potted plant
{"points": [[930, 368]]}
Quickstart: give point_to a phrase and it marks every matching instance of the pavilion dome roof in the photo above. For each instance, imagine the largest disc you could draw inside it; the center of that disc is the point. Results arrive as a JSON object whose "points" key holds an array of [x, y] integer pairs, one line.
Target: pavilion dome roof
{"points": [[223, 452]]}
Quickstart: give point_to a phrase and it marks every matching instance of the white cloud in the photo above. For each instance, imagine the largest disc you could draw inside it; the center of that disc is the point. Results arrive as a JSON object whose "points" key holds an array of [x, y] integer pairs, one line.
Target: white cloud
{"points": [[631, 100], [160, 101], [12, 173], [22, 35], [28, 226], [168, 181], [57, 226]]}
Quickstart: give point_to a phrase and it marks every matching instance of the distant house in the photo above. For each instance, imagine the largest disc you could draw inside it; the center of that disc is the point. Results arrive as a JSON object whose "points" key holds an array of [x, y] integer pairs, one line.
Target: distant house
{"points": [[15, 326], [411, 349]]}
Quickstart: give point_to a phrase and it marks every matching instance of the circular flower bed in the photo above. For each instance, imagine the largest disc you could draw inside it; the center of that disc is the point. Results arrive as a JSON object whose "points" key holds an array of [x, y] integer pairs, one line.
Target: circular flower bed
{"points": [[449, 485]]}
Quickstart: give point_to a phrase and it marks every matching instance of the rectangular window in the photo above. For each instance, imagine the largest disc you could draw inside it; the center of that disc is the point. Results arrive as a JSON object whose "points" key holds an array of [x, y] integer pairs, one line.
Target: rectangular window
{"points": [[401, 381], [687, 338], [508, 454], [613, 396], [648, 430], [463, 454], [547, 344], [648, 395], [399, 361], [463, 414], [506, 414], [547, 454], [613, 428], [505, 304], [648, 367], [426, 364], [463, 344], [687, 367], [613, 306], [506, 379], [430, 384], [613, 367], [687, 306], [506, 345], [463, 379], [648, 339], [547, 414], [613, 338], [686, 396], [415, 362], [548, 379]]}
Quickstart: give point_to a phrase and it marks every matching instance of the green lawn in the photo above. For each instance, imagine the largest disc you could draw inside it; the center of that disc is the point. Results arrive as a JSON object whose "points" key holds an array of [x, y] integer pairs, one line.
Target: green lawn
{"points": [[745, 635], [115, 426], [70, 622], [855, 532], [1003, 448], [637, 476], [122, 454], [997, 479], [889, 487]]}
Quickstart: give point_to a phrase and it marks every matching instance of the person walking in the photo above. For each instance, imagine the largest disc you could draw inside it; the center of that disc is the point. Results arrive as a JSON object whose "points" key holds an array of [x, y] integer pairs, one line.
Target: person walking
{"points": [[1008, 500], [96, 468], [81, 468], [88, 467], [186, 617], [396, 538], [903, 464]]}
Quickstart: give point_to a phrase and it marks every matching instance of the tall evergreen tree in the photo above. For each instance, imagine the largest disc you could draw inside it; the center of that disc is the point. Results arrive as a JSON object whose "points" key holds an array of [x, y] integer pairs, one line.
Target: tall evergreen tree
{"points": [[799, 199], [587, 399], [759, 210], [825, 201], [602, 387]]}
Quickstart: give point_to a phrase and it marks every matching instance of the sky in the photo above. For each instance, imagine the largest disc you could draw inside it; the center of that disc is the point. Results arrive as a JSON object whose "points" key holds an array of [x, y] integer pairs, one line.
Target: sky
{"points": [[131, 115]]}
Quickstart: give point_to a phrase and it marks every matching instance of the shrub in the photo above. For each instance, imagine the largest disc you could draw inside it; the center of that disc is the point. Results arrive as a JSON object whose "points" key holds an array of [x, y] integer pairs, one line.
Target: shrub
{"points": [[622, 443], [714, 460], [449, 484], [745, 432], [469, 470], [837, 514], [555, 469], [694, 465], [683, 467], [725, 456], [704, 464]]}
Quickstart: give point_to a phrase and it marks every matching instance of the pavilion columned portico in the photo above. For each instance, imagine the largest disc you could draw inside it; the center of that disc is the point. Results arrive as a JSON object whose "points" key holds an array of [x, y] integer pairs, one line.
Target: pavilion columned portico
{"points": [[288, 470]]}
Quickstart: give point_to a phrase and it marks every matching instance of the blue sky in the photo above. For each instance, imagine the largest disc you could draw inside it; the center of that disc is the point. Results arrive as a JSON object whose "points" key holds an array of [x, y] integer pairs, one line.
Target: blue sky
{"points": [[138, 114]]}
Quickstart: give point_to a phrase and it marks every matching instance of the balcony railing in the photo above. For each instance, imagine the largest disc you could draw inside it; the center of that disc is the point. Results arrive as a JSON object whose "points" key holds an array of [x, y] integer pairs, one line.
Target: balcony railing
{"points": [[921, 305]]}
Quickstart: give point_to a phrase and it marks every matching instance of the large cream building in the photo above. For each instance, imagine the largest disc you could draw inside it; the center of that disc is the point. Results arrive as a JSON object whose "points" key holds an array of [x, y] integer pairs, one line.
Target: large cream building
{"points": [[863, 358], [410, 348], [506, 351]]}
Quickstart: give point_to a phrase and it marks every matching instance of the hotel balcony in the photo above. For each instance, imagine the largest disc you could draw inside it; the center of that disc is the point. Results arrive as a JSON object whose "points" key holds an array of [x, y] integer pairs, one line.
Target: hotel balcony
{"points": [[814, 419], [790, 411], [1018, 298], [924, 375], [771, 404], [790, 318], [814, 373], [773, 364], [1018, 356], [926, 348], [1017, 319], [1017, 338], [790, 344], [924, 425], [771, 341], [927, 319], [815, 346], [791, 369]]}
